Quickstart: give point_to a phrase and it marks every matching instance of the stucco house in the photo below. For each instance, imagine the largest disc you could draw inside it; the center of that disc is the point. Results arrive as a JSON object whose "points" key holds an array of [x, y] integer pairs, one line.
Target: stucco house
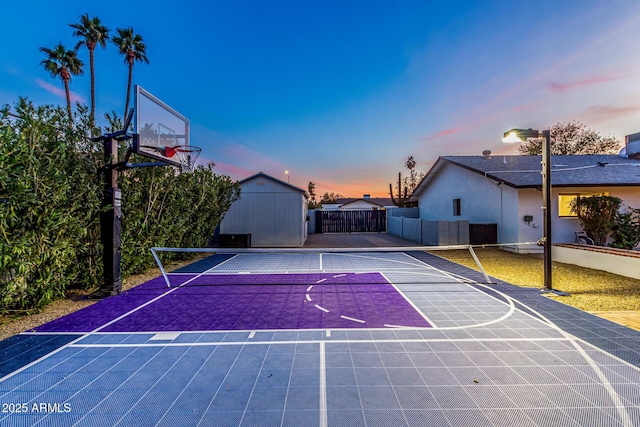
{"points": [[272, 211], [506, 190], [362, 203]]}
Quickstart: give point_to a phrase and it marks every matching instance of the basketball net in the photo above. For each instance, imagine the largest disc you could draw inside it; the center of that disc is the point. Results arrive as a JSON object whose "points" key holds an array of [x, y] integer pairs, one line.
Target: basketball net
{"points": [[186, 155]]}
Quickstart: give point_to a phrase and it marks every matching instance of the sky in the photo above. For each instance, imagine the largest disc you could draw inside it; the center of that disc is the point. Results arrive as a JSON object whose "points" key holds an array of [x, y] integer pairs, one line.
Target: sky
{"points": [[340, 93]]}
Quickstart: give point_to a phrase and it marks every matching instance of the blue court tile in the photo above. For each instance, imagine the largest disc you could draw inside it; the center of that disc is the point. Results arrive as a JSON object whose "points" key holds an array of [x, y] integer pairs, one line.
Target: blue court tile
{"points": [[437, 376], [371, 376], [338, 360], [193, 401], [470, 418], [428, 418], [29, 420], [373, 397], [141, 419], [346, 418], [102, 364], [16, 381], [546, 417], [306, 359], [182, 419], [303, 398], [343, 398], [137, 338], [156, 400], [209, 377], [101, 420], [306, 418], [42, 382], [20, 350], [305, 378], [273, 378], [410, 397], [230, 398], [340, 377], [143, 379], [174, 380], [85, 400], [243, 377], [509, 418], [267, 399], [371, 360], [265, 417], [404, 376], [222, 419], [109, 380], [452, 397], [385, 418], [118, 402]]}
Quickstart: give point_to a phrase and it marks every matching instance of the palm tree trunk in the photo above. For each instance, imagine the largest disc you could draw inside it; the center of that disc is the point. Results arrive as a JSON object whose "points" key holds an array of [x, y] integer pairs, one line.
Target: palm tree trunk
{"points": [[93, 88], [66, 91], [126, 105]]}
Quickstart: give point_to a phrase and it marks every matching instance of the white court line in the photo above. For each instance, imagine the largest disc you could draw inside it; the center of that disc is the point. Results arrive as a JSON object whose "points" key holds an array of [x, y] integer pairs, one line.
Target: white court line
{"points": [[308, 297], [252, 334], [613, 394], [86, 334], [317, 341], [309, 288], [323, 386], [415, 307], [165, 336], [321, 308], [352, 319]]}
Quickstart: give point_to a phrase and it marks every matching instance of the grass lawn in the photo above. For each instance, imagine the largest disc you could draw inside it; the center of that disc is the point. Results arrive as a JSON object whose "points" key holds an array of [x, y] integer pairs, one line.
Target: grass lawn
{"points": [[591, 290]]}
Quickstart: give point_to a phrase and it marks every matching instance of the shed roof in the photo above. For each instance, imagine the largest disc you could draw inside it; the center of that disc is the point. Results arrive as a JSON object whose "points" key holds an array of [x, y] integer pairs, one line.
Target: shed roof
{"points": [[524, 171], [266, 176]]}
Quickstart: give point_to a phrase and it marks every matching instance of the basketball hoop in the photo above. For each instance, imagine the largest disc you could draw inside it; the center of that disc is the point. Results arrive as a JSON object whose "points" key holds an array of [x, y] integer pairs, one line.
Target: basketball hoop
{"points": [[187, 156]]}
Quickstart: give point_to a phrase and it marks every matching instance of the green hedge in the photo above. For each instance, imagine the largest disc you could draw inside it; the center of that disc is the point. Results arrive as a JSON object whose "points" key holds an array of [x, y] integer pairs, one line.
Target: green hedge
{"points": [[50, 202]]}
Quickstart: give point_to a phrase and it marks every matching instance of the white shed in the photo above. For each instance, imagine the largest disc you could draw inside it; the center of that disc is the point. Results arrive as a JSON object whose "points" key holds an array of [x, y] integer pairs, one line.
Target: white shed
{"points": [[273, 212]]}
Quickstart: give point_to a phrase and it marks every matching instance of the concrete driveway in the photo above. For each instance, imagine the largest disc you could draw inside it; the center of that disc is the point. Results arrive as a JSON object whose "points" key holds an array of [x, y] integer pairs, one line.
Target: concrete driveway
{"points": [[356, 240]]}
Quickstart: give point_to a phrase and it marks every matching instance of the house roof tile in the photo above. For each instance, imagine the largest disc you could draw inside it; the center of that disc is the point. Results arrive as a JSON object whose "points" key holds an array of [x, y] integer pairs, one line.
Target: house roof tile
{"points": [[566, 171]]}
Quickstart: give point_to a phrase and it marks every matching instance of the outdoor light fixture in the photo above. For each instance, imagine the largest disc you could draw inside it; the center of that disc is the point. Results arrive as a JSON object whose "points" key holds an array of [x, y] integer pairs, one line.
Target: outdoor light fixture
{"points": [[287, 173], [521, 135]]}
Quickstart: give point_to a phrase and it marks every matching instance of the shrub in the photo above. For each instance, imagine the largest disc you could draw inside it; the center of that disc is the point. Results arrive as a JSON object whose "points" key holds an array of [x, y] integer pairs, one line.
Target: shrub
{"points": [[626, 229], [596, 214], [50, 196]]}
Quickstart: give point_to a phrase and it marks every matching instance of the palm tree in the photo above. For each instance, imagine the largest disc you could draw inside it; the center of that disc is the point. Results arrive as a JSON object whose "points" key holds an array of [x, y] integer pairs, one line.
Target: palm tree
{"points": [[132, 47], [92, 33], [63, 63]]}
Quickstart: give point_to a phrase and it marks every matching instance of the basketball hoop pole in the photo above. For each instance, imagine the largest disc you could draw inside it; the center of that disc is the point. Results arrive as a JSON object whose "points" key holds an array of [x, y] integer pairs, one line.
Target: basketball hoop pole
{"points": [[111, 214]]}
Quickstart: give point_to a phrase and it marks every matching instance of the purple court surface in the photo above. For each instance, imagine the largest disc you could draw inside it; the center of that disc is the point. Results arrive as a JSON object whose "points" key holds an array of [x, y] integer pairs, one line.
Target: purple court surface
{"points": [[323, 340], [249, 302]]}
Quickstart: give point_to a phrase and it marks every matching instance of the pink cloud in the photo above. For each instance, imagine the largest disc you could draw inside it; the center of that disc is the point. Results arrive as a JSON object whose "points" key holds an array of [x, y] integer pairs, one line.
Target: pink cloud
{"points": [[605, 112], [58, 91], [235, 172], [594, 80], [445, 132]]}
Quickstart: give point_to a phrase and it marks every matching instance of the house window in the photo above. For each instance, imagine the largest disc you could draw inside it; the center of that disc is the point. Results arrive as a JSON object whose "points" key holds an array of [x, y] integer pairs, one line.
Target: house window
{"points": [[456, 207], [565, 200]]}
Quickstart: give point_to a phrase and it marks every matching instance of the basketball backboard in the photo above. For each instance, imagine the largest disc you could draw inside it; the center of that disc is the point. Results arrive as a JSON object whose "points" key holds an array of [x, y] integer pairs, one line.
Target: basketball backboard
{"points": [[159, 127]]}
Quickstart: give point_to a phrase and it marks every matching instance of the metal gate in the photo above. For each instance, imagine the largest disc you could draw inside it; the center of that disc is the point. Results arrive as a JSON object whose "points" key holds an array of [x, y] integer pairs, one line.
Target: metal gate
{"points": [[351, 221]]}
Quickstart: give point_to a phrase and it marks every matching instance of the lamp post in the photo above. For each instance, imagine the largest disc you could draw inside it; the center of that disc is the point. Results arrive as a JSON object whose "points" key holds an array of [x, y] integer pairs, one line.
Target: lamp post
{"points": [[287, 173], [521, 135]]}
